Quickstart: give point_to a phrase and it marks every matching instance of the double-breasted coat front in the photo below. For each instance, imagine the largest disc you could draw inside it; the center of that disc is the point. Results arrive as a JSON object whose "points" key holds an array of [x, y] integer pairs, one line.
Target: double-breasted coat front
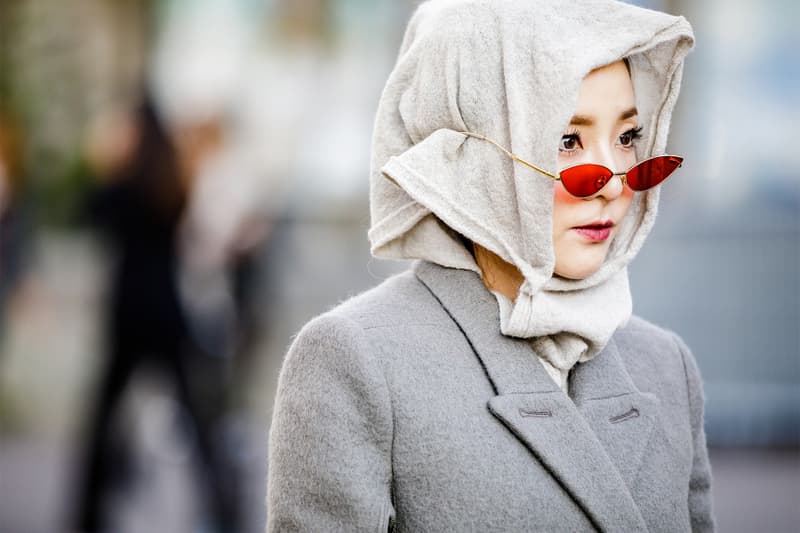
{"points": [[406, 409]]}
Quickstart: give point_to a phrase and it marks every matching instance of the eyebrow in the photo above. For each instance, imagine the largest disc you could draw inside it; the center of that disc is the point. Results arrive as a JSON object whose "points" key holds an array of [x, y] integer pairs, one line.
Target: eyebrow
{"points": [[584, 120]]}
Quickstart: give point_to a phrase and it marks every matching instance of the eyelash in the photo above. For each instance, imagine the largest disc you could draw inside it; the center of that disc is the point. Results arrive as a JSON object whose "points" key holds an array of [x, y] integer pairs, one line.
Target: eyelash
{"points": [[573, 134], [635, 134]]}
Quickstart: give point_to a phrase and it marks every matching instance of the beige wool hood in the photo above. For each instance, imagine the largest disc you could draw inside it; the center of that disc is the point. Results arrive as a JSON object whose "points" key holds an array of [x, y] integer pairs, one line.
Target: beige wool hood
{"points": [[511, 70]]}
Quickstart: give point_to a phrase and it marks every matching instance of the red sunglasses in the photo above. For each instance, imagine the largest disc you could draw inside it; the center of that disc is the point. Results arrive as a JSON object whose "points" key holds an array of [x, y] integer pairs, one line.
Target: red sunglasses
{"points": [[587, 179]]}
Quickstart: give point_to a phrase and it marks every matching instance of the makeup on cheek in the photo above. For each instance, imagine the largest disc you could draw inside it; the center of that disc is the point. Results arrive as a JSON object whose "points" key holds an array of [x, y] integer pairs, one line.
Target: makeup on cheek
{"points": [[561, 196]]}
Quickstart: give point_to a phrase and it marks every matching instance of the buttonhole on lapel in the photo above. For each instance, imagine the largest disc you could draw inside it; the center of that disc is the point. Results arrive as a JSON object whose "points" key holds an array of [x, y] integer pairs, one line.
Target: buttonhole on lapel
{"points": [[535, 414], [633, 413]]}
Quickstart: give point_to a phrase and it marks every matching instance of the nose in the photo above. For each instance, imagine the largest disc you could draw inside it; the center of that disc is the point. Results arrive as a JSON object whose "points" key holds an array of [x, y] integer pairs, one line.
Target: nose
{"points": [[612, 189], [614, 186]]}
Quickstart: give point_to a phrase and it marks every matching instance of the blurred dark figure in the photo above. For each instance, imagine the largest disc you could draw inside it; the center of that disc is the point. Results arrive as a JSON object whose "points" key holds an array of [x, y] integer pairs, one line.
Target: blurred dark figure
{"points": [[12, 214], [223, 245], [140, 205]]}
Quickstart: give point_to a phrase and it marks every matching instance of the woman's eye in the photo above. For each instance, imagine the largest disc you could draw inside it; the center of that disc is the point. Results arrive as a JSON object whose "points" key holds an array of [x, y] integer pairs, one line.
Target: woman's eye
{"points": [[628, 138], [570, 143]]}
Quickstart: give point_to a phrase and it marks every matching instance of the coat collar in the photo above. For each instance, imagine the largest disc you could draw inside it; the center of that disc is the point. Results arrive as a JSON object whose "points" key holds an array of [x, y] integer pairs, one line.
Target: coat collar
{"points": [[593, 440]]}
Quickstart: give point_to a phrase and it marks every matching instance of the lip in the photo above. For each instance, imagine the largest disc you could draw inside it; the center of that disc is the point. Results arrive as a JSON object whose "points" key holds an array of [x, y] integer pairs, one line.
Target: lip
{"points": [[598, 231]]}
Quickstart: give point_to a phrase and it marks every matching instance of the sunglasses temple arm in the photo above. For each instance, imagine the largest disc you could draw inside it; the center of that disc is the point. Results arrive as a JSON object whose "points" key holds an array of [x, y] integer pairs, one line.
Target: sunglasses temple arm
{"points": [[534, 167], [509, 154]]}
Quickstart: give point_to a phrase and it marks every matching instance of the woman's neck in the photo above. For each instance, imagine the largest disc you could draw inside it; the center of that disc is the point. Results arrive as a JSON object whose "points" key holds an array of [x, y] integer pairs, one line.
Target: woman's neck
{"points": [[498, 275]]}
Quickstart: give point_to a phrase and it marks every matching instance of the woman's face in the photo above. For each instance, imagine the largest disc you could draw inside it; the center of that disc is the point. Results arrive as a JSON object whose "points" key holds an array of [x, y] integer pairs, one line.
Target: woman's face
{"points": [[603, 130]]}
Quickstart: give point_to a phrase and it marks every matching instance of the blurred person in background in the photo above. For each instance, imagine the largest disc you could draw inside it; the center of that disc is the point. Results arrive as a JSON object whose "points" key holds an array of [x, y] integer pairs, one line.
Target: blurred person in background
{"points": [[233, 131], [221, 237], [12, 219], [139, 204], [502, 383]]}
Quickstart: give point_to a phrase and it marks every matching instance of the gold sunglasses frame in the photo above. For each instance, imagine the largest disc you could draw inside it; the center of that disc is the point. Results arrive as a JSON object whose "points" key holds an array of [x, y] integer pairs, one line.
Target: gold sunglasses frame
{"points": [[623, 175]]}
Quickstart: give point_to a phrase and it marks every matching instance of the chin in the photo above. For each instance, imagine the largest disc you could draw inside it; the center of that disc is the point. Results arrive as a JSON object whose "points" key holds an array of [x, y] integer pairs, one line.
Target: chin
{"points": [[580, 266]]}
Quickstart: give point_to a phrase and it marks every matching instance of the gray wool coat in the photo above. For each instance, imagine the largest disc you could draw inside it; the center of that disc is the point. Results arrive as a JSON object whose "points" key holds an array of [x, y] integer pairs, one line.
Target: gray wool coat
{"points": [[405, 409]]}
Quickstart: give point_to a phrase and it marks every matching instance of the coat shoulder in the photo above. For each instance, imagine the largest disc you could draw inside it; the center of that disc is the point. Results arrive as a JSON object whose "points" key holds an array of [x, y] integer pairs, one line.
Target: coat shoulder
{"points": [[652, 354], [399, 301], [639, 331], [399, 323]]}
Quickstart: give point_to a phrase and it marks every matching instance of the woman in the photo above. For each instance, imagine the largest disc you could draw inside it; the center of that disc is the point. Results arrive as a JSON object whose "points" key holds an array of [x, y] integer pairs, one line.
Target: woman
{"points": [[502, 384]]}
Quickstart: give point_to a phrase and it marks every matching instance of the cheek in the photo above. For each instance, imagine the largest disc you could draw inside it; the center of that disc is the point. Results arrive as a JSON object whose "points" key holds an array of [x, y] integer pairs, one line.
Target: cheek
{"points": [[562, 198], [626, 199], [563, 202]]}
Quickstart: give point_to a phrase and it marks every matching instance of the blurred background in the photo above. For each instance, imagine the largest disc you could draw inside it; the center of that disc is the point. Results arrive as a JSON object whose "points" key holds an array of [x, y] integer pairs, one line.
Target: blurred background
{"points": [[228, 141]]}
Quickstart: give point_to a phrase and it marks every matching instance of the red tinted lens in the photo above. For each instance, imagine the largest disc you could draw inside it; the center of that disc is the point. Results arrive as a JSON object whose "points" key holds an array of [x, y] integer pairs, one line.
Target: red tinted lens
{"points": [[585, 180], [651, 172]]}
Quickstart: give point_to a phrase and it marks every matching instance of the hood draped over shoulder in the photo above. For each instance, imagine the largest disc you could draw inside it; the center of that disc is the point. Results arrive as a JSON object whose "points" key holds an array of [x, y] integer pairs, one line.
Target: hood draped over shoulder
{"points": [[511, 70]]}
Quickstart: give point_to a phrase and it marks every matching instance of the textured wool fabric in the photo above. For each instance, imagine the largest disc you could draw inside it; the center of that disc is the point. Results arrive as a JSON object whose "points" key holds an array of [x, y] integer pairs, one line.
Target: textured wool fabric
{"points": [[511, 70], [407, 408]]}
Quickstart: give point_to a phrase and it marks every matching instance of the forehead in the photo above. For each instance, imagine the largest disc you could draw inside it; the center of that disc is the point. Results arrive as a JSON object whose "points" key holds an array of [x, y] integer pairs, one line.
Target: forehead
{"points": [[606, 89]]}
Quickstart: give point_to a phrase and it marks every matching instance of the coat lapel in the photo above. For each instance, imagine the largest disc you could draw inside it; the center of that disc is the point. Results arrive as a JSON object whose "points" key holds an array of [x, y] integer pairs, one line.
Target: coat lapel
{"points": [[619, 414], [592, 445]]}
